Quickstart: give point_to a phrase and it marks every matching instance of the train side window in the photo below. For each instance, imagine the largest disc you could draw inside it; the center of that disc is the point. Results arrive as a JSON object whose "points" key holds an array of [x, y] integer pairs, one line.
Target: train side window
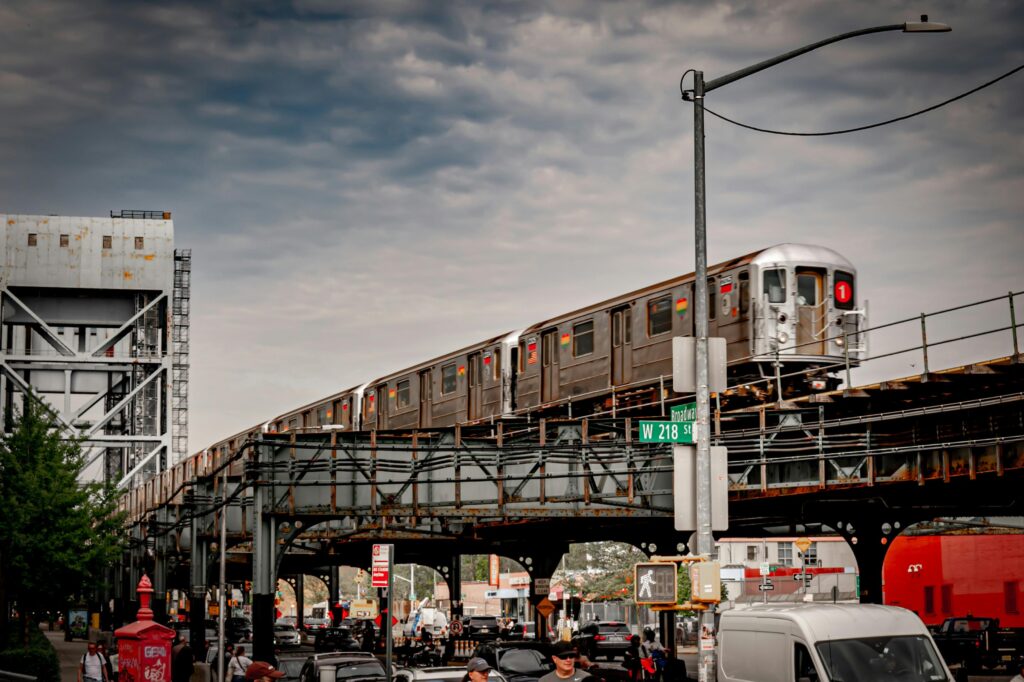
{"points": [[712, 300], [842, 290], [659, 316], [744, 292], [402, 394], [775, 285], [448, 379], [582, 339]]}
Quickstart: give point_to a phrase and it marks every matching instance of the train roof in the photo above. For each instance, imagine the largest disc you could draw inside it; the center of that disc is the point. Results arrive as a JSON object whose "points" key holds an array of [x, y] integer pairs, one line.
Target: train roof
{"points": [[433, 361], [803, 253]]}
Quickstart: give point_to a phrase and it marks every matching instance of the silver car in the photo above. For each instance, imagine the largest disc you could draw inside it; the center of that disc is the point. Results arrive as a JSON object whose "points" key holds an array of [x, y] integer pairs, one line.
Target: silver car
{"points": [[286, 635]]}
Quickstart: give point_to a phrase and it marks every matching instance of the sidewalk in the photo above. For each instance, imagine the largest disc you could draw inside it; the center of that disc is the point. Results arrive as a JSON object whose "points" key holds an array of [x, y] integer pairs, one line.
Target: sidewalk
{"points": [[69, 654]]}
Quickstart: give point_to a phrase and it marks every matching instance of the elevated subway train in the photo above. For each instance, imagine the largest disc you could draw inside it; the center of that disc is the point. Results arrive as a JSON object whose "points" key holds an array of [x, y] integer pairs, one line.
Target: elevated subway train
{"points": [[791, 303]]}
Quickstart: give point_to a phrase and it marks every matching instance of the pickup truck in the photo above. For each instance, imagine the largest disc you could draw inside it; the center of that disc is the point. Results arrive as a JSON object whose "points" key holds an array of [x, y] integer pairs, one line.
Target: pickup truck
{"points": [[977, 643]]}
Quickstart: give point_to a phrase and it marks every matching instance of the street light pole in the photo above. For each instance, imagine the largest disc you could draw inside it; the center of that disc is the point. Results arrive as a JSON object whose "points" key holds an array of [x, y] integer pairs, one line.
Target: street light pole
{"points": [[706, 656]]}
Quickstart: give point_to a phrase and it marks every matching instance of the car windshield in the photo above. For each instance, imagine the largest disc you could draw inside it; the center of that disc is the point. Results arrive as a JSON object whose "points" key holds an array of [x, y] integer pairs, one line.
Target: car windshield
{"points": [[368, 669], [522, 661], [909, 658], [291, 667]]}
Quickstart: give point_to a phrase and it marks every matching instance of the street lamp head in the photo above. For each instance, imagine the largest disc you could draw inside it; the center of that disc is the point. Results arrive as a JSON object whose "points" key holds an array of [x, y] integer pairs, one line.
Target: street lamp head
{"points": [[925, 26]]}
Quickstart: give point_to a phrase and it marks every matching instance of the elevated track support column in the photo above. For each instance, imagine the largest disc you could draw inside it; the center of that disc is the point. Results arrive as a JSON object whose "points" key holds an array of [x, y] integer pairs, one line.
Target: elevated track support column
{"points": [[264, 561], [159, 535], [197, 577], [870, 537]]}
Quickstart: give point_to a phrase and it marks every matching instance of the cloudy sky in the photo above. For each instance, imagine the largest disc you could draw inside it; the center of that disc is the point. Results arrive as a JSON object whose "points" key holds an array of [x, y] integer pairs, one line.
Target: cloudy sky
{"points": [[368, 184]]}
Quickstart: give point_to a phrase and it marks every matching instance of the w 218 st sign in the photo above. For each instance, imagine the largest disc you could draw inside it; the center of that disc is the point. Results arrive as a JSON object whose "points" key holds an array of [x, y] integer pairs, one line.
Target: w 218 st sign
{"points": [[655, 583]]}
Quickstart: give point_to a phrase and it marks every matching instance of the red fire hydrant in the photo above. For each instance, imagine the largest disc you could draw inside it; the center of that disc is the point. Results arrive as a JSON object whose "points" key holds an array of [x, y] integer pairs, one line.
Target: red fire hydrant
{"points": [[144, 647]]}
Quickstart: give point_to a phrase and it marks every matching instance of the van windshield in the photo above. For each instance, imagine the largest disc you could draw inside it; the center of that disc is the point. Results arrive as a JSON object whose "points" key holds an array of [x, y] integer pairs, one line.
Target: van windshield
{"points": [[908, 658]]}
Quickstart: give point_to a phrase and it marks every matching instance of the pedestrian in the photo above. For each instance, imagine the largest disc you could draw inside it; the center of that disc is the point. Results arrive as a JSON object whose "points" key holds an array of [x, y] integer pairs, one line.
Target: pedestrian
{"points": [[93, 667], [478, 670], [238, 665], [1019, 677], [564, 656], [260, 671], [631, 659], [101, 649], [182, 660], [653, 650]]}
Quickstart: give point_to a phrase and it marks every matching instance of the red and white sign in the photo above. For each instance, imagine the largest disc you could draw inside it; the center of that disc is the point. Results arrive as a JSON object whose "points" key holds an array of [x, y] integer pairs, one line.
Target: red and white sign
{"points": [[379, 566]]}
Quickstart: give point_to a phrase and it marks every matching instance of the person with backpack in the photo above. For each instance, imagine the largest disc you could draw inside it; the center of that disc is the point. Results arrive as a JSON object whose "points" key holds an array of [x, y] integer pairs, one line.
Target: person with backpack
{"points": [[93, 666], [237, 666]]}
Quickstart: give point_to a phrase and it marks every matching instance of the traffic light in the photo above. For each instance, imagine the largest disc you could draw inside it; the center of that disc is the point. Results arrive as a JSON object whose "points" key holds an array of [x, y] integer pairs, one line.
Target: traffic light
{"points": [[655, 583]]}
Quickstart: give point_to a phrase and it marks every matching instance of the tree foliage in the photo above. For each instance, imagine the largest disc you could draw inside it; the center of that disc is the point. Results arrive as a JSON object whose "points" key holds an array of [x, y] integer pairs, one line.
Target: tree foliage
{"points": [[57, 535]]}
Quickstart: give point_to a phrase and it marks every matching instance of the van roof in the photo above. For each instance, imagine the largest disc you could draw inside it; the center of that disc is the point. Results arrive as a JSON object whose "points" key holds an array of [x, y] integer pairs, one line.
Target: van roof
{"points": [[837, 621]]}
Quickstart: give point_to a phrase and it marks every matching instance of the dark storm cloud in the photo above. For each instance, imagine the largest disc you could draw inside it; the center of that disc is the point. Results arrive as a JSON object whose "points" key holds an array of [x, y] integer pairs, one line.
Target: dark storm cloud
{"points": [[366, 184]]}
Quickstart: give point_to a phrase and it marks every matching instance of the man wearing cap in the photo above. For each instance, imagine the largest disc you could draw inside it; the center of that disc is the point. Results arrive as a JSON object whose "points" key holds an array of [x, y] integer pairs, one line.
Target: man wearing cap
{"points": [[564, 657], [478, 670], [259, 671]]}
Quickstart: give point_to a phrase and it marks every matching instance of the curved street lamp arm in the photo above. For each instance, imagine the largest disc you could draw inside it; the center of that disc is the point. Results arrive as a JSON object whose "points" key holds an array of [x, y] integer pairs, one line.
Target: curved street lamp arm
{"points": [[761, 66]]}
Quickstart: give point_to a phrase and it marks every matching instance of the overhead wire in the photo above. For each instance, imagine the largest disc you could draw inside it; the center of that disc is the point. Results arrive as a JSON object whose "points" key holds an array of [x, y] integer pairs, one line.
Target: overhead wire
{"points": [[869, 126]]}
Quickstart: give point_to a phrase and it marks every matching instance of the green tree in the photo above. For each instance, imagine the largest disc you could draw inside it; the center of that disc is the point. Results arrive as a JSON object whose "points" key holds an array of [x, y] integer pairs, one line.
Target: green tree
{"points": [[57, 535]]}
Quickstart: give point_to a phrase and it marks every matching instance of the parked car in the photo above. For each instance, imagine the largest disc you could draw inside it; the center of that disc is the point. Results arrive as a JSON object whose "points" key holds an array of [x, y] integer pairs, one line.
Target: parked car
{"points": [[292, 667], [517, 661], [527, 632], [286, 635], [482, 628], [438, 674], [977, 643], [238, 629], [335, 639], [609, 638], [350, 665]]}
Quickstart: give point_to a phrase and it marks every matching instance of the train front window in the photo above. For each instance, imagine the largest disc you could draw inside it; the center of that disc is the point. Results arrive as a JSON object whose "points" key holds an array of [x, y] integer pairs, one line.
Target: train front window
{"points": [[807, 288], [842, 290], [775, 285], [659, 316]]}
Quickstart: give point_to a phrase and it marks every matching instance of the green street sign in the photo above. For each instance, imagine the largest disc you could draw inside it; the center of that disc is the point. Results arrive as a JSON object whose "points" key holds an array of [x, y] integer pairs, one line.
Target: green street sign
{"points": [[667, 432], [686, 412]]}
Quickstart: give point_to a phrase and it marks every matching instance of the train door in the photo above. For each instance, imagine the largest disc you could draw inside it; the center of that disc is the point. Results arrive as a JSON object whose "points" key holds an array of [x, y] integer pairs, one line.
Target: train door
{"points": [[426, 398], [475, 394], [810, 307], [549, 366], [622, 346], [382, 406]]}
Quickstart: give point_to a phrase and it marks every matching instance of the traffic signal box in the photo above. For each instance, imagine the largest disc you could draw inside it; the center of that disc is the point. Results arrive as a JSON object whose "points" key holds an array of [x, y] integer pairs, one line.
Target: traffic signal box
{"points": [[655, 583]]}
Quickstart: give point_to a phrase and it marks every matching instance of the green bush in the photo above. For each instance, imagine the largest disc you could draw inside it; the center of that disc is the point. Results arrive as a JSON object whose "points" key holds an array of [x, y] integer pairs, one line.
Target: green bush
{"points": [[39, 660], [36, 660]]}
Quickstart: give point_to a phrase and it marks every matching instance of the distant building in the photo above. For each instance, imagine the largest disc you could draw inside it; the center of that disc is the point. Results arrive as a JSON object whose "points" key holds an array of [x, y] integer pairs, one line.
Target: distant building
{"points": [[94, 322]]}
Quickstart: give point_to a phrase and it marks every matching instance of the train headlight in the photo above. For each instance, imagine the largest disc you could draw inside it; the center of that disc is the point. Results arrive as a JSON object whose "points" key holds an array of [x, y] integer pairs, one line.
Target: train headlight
{"points": [[783, 337]]}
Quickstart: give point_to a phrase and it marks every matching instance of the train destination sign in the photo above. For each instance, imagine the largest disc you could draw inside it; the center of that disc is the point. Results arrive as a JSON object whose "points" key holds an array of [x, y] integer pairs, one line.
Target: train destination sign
{"points": [[667, 432]]}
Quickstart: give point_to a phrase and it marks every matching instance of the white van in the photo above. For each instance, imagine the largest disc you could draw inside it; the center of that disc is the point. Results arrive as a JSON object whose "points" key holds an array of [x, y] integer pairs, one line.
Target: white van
{"points": [[827, 643]]}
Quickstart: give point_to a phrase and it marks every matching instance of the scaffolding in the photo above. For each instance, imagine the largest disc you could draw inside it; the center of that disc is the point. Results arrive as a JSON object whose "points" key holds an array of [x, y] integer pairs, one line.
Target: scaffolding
{"points": [[180, 342]]}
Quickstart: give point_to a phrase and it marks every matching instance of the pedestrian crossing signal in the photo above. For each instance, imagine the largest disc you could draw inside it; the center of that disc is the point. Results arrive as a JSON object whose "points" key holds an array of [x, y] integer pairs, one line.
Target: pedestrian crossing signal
{"points": [[655, 583]]}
